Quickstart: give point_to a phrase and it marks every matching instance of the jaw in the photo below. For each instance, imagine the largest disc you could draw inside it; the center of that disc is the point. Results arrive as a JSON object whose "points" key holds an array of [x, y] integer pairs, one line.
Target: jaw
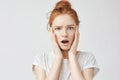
{"points": [[65, 47]]}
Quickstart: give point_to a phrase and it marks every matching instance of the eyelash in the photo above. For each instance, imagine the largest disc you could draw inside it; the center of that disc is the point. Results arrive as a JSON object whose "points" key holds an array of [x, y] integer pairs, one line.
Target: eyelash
{"points": [[58, 28], [69, 28]]}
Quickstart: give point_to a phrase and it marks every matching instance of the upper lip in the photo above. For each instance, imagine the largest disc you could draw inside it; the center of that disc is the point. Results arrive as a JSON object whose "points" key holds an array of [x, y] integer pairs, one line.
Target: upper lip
{"points": [[65, 40]]}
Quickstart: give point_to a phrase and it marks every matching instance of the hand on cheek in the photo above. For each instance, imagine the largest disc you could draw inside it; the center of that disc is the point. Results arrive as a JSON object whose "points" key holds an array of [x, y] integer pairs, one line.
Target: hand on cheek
{"points": [[73, 49], [56, 48]]}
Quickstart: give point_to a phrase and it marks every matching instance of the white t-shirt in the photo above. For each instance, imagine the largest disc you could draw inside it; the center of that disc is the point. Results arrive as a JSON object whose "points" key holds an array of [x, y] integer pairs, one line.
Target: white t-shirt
{"points": [[86, 60]]}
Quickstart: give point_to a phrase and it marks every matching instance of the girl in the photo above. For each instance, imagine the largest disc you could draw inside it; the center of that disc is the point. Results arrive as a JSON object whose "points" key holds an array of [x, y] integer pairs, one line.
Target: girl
{"points": [[64, 62]]}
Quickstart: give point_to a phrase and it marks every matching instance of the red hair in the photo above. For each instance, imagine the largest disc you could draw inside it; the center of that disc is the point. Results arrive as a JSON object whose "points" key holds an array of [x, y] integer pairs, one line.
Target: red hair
{"points": [[63, 7]]}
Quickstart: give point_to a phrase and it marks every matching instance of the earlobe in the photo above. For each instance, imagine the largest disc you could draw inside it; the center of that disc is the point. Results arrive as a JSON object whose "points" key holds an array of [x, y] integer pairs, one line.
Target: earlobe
{"points": [[50, 29]]}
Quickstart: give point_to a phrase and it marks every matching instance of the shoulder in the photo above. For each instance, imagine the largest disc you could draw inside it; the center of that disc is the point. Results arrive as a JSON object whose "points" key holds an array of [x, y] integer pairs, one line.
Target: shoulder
{"points": [[85, 55], [42, 58], [43, 55], [88, 60]]}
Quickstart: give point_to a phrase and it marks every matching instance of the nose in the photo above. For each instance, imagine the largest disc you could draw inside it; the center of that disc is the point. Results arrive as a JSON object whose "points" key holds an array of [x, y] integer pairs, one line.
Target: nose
{"points": [[64, 33]]}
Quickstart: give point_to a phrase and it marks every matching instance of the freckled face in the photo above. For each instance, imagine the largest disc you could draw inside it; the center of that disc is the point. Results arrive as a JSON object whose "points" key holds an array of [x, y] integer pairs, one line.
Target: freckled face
{"points": [[64, 28]]}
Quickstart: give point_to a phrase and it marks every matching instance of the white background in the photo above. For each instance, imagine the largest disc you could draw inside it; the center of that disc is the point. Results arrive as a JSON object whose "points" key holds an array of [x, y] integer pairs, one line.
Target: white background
{"points": [[23, 33]]}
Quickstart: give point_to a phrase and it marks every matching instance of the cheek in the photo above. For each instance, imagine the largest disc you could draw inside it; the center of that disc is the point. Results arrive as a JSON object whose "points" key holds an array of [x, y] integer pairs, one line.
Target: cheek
{"points": [[72, 37], [71, 32], [56, 32], [57, 36]]}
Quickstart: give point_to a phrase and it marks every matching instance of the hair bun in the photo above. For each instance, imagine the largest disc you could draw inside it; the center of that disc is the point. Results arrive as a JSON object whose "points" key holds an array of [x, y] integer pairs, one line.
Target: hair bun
{"points": [[63, 4]]}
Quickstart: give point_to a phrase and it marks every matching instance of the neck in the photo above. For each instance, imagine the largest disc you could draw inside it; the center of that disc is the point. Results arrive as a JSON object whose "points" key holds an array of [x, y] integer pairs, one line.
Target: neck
{"points": [[65, 54]]}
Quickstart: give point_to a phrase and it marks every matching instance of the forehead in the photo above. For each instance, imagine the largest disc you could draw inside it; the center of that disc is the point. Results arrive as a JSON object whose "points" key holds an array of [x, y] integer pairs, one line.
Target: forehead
{"points": [[63, 20]]}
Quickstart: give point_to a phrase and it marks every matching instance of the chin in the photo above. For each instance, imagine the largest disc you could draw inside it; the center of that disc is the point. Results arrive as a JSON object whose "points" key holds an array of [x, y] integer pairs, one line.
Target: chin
{"points": [[65, 48]]}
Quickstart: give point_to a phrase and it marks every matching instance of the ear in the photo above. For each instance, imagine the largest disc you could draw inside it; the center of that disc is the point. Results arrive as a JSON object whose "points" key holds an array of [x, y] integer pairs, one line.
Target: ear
{"points": [[51, 29], [78, 27], [48, 27]]}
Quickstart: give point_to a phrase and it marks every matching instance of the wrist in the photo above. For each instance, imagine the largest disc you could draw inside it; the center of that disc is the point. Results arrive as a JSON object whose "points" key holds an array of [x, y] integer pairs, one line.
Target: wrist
{"points": [[58, 57], [72, 56]]}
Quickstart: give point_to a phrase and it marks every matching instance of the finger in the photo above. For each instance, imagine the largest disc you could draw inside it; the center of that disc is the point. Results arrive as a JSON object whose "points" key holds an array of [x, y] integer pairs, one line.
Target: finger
{"points": [[55, 45], [53, 36], [75, 43], [76, 35], [51, 33]]}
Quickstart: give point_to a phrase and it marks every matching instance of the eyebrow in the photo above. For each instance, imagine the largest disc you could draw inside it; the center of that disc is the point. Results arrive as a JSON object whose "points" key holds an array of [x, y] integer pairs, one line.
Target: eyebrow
{"points": [[57, 26], [71, 25], [66, 25]]}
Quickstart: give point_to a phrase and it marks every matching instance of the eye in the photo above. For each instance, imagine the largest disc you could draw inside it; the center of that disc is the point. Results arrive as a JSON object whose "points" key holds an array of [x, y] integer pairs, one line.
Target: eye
{"points": [[58, 28], [70, 28]]}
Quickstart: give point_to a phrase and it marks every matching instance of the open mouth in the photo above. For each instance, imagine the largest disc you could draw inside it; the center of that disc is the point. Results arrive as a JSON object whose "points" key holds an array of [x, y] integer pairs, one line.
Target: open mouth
{"points": [[64, 41]]}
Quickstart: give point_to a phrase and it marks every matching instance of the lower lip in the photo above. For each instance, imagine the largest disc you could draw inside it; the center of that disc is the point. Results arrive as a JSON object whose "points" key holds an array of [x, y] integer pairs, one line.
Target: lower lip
{"points": [[65, 44]]}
